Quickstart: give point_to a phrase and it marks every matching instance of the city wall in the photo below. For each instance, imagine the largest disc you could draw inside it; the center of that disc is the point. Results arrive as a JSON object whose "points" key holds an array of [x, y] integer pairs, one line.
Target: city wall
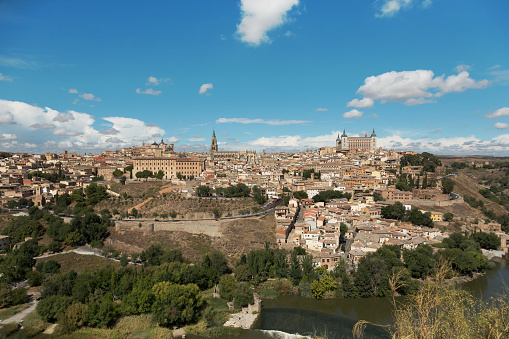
{"points": [[208, 227]]}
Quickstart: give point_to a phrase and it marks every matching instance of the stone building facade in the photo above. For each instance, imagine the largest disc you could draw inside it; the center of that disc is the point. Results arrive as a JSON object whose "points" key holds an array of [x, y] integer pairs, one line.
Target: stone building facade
{"points": [[170, 166], [346, 143]]}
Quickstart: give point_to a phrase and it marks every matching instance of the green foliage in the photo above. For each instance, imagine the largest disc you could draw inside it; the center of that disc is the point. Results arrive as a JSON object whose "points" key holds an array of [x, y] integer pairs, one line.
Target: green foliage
{"points": [[35, 278], [118, 173], [374, 270], [203, 191], [448, 216], [227, 286], [53, 307], [243, 295], [102, 313], [21, 227], [397, 211], [176, 304], [427, 160], [145, 174], [217, 213], [488, 241], [239, 190], [11, 297], [155, 255], [378, 196], [447, 185], [300, 195], [73, 318], [328, 195], [420, 261]]}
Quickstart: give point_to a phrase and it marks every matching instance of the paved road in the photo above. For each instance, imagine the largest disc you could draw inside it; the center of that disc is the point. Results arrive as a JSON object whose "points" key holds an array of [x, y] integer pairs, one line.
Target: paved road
{"points": [[19, 316]]}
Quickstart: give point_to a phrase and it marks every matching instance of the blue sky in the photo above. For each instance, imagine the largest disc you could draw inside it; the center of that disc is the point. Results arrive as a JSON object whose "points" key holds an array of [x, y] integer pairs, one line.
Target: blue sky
{"points": [[279, 75]]}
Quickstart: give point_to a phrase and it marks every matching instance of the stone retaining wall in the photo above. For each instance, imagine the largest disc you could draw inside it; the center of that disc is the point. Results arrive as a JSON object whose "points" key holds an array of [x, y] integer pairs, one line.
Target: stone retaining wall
{"points": [[209, 227]]}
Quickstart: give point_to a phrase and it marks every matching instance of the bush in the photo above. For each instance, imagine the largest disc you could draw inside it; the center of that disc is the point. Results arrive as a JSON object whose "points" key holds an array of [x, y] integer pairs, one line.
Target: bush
{"points": [[243, 296], [53, 307]]}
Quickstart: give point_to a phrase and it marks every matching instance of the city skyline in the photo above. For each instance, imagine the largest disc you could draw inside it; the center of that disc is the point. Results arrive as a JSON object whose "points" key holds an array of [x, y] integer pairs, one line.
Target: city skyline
{"points": [[274, 75]]}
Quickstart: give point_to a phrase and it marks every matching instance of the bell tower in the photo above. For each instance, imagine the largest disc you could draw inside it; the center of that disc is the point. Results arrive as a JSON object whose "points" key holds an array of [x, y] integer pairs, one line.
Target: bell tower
{"points": [[213, 144]]}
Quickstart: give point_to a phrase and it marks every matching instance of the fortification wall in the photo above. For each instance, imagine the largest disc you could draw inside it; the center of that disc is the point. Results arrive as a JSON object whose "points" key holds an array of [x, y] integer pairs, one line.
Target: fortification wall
{"points": [[209, 227]]}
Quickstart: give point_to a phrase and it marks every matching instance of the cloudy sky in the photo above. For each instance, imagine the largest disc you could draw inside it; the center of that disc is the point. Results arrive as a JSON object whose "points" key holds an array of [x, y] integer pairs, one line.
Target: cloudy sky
{"points": [[427, 75]]}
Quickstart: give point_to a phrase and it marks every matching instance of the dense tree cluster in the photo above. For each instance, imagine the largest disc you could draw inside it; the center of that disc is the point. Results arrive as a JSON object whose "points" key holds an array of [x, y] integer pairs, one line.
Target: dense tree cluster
{"points": [[168, 287], [397, 211], [328, 195], [429, 161]]}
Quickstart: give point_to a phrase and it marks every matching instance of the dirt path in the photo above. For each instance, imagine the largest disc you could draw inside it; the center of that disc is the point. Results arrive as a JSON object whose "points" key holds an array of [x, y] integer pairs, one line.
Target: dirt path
{"points": [[139, 205], [18, 316]]}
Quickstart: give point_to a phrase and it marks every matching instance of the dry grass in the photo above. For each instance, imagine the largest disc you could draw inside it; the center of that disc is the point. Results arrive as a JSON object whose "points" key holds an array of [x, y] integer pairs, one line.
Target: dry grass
{"points": [[439, 310], [79, 262]]}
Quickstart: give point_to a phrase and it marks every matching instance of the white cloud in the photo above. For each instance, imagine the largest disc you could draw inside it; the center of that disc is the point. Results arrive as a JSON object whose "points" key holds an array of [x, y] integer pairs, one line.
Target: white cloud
{"points": [[148, 91], [363, 103], [173, 140], [415, 87], [43, 126], [289, 34], [6, 118], [5, 77], [501, 112], [320, 109], [7, 137], [352, 114], [109, 131], [261, 16], [197, 138], [418, 101], [261, 121], [63, 117], [70, 130], [461, 68], [73, 90], [501, 125], [17, 62], [457, 83], [153, 80], [205, 87], [89, 96], [66, 133], [114, 140], [391, 7]]}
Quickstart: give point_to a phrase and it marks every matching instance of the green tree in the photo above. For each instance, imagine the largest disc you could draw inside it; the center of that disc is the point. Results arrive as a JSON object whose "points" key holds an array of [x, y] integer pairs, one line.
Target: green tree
{"points": [[176, 304], [53, 307], [488, 241], [102, 313], [118, 173], [203, 191], [243, 295], [448, 216], [447, 185], [300, 195], [160, 175], [227, 286]]}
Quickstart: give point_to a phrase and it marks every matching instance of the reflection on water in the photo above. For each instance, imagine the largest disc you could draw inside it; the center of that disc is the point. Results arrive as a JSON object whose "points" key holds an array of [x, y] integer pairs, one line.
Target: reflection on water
{"points": [[292, 317]]}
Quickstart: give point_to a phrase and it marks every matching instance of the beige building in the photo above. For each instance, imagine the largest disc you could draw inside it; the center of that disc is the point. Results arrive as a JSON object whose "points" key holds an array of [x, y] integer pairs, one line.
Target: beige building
{"points": [[170, 166], [346, 143]]}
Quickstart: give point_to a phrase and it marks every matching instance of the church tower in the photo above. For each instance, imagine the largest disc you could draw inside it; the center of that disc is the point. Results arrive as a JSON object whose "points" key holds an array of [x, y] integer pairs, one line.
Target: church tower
{"points": [[344, 142], [373, 140], [213, 144]]}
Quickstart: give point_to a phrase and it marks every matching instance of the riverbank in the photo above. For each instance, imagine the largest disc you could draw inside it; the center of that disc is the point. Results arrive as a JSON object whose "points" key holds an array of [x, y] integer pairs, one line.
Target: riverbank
{"points": [[242, 319]]}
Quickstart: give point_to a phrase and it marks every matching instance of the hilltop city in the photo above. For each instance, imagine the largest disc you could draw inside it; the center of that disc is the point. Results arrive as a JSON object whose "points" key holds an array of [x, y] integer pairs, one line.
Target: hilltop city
{"points": [[325, 223]]}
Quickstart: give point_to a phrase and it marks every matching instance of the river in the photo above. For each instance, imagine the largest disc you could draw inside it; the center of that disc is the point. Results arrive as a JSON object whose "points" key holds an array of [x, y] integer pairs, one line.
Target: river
{"points": [[293, 317]]}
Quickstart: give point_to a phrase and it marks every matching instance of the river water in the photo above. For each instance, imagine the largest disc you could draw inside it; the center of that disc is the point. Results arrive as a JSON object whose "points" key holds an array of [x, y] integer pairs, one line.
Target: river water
{"points": [[293, 317]]}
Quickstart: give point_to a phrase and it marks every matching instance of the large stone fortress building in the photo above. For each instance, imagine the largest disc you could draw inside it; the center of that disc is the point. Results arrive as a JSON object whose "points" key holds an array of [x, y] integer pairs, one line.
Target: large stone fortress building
{"points": [[365, 143]]}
